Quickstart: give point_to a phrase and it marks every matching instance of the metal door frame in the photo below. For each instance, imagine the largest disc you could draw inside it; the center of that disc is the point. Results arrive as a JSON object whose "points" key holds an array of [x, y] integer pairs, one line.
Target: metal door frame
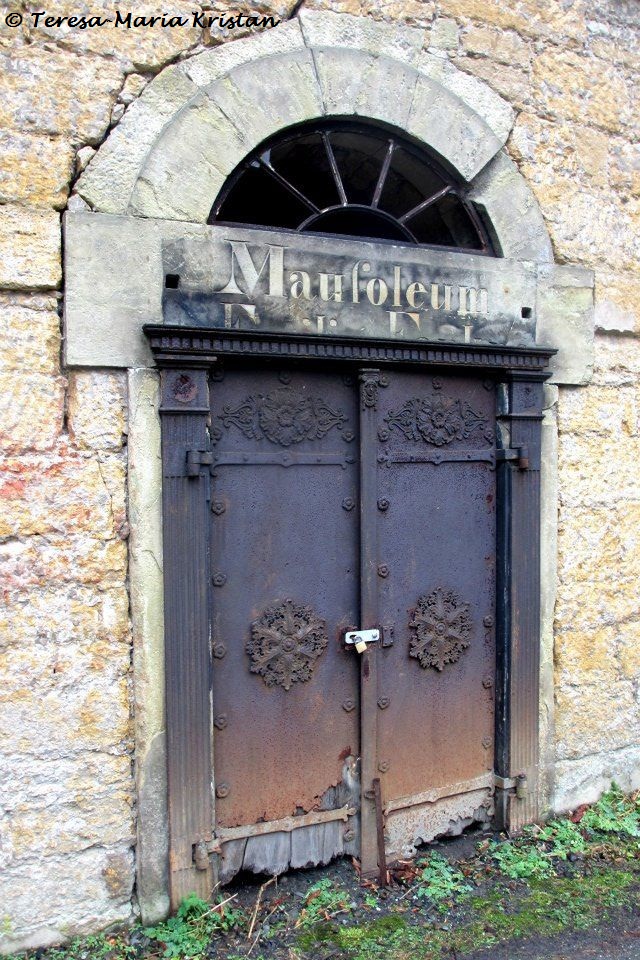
{"points": [[185, 358]]}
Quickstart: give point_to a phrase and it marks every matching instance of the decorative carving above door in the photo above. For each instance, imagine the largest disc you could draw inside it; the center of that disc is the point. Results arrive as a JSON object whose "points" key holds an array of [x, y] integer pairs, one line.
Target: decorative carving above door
{"points": [[284, 416], [437, 419]]}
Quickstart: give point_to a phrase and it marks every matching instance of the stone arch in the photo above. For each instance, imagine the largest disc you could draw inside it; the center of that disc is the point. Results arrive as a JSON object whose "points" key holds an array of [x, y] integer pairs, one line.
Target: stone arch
{"points": [[175, 146]]}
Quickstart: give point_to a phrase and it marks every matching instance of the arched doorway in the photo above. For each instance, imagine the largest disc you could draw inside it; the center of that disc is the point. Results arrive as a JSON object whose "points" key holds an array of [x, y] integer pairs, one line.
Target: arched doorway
{"points": [[155, 180]]}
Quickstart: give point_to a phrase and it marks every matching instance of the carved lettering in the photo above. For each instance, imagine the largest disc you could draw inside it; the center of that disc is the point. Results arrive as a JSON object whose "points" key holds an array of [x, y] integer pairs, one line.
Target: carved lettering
{"points": [[241, 257]]}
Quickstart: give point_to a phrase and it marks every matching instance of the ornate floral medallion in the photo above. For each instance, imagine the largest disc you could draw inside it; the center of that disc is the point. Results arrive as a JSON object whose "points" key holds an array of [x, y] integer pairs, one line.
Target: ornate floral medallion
{"points": [[286, 640], [284, 416], [442, 628], [436, 419]]}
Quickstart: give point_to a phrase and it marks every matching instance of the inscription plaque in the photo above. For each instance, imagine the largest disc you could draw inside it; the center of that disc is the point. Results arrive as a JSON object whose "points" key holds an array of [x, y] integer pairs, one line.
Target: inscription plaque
{"points": [[260, 280]]}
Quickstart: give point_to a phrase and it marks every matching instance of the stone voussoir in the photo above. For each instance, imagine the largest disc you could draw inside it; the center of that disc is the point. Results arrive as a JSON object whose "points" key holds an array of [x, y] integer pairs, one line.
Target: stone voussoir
{"points": [[110, 178]]}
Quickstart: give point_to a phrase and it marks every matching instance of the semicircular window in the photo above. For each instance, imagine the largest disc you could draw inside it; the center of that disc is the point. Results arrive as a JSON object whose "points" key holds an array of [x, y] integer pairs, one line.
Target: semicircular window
{"points": [[354, 180]]}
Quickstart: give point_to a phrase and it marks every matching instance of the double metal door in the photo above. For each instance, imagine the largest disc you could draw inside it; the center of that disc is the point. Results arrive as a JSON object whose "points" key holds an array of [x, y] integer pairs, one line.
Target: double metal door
{"points": [[344, 503]]}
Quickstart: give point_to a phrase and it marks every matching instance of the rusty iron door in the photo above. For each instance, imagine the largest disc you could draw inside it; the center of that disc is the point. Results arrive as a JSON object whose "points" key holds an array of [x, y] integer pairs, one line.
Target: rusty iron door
{"points": [[345, 503], [285, 588], [436, 536]]}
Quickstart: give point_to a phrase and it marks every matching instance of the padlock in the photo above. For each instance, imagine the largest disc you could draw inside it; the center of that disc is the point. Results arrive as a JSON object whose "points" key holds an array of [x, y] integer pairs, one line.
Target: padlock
{"points": [[361, 646]]}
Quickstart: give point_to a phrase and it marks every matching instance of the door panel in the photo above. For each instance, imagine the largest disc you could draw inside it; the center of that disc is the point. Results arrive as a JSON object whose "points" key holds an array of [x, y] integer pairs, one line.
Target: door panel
{"points": [[284, 569], [312, 530], [436, 539]]}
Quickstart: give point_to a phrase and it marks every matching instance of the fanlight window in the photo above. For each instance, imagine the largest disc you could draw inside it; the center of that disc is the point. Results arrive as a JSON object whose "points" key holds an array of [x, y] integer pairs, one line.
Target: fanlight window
{"points": [[352, 180]]}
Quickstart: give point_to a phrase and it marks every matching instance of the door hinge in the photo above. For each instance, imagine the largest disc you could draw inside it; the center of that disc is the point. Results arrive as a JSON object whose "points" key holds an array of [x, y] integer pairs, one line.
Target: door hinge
{"points": [[519, 455], [197, 459], [518, 785]]}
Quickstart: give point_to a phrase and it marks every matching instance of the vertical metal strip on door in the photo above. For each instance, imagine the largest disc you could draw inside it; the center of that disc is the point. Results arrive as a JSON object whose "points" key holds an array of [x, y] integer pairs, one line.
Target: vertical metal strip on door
{"points": [[370, 571], [519, 589], [184, 411]]}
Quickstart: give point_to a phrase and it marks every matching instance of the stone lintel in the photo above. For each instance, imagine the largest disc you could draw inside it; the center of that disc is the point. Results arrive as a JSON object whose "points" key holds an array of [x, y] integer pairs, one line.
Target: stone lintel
{"points": [[115, 278]]}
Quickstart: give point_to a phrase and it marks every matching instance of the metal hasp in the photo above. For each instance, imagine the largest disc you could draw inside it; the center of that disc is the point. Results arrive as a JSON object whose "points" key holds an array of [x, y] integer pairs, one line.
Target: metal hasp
{"points": [[314, 752], [360, 638]]}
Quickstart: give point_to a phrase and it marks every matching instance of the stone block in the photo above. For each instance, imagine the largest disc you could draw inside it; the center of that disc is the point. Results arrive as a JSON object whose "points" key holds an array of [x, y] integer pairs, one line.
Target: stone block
{"points": [[65, 614], [36, 169], [511, 83], [628, 652], [323, 29], [504, 46], [586, 470], [204, 68], [445, 34], [31, 412], [52, 718], [552, 153], [109, 179], [75, 94], [588, 224], [282, 91], [52, 671], [534, 18], [588, 605], [41, 782], [354, 82], [478, 97], [590, 544], [564, 312], [30, 332], [617, 360], [71, 895], [585, 779], [114, 286], [608, 411], [617, 306], [60, 494], [587, 657], [593, 718], [65, 559], [567, 87], [624, 166], [202, 141], [30, 257], [96, 409], [147, 595], [455, 132], [511, 209]]}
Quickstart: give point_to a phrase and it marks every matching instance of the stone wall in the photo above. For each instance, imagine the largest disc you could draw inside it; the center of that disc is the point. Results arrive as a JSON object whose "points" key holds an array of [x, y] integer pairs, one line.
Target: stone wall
{"points": [[67, 798]]}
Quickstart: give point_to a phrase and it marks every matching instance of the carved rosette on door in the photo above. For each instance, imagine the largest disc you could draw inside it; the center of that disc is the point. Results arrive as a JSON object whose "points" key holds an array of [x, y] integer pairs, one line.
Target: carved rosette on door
{"points": [[441, 627], [286, 640]]}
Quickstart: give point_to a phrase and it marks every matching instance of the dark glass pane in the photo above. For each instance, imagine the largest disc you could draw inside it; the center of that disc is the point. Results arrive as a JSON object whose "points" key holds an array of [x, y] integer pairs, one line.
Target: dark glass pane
{"points": [[258, 198], [408, 182], [359, 158], [305, 164], [446, 223], [351, 222]]}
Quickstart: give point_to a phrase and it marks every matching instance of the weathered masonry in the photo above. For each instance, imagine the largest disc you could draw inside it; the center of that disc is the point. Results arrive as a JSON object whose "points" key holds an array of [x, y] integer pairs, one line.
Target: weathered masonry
{"points": [[351, 413], [319, 535]]}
